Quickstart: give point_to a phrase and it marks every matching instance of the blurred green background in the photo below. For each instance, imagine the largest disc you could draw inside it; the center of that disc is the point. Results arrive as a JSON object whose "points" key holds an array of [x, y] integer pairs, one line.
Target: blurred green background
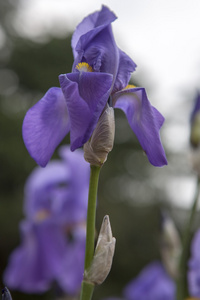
{"points": [[131, 191]]}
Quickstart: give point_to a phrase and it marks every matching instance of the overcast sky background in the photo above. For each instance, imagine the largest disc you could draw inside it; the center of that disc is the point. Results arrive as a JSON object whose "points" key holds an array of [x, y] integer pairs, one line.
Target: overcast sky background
{"points": [[161, 36]]}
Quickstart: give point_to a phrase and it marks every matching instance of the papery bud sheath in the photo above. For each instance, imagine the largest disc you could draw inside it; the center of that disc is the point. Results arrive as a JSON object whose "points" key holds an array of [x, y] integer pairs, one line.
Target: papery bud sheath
{"points": [[171, 246], [103, 255], [101, 142]]}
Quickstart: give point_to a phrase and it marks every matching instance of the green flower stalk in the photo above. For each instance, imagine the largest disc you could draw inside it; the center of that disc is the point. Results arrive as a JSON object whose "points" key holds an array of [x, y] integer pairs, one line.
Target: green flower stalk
{"points": [[95, 152], [87, 288]]}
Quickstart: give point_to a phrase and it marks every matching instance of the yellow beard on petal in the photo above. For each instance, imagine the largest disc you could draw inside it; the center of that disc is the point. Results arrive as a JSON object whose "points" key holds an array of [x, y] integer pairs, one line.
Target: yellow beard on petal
{"points": [[84, 67], [42, 215], [129, 86]]}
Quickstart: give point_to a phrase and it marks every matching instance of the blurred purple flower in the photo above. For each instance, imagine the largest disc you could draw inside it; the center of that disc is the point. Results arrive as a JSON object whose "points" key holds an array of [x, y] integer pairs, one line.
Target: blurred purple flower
{"points": [[194, 267], [153, 283], [196, 108], [60, 189], [195, 123], [100, 74], [53, 235]]}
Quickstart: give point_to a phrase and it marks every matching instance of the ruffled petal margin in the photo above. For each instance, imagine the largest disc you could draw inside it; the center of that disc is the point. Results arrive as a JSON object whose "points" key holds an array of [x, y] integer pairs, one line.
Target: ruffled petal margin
{"points": [[93, 23]]}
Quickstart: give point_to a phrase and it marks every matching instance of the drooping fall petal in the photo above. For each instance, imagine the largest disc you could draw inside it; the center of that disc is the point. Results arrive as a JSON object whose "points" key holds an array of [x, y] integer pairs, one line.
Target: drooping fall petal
{"points": [[86, 95], [144, 120], [45, 125]]}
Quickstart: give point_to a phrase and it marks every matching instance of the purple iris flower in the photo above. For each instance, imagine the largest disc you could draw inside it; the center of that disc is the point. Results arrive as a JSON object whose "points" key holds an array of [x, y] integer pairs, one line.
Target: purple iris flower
{"points": [[100, 75], [53, 233], [194, 267], [153, 283], [60, 189]]}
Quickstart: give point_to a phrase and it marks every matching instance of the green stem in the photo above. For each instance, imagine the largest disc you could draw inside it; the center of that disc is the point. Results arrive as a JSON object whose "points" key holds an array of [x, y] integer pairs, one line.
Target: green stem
{"points": [[87, 288], [182, 280]]}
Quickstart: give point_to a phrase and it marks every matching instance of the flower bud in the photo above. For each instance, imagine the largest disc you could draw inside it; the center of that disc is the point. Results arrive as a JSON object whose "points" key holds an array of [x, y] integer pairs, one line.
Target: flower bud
{"points": [[195, 135], [171, 246], [195, 131], [6, 294], [101, 142], [103, 256]]}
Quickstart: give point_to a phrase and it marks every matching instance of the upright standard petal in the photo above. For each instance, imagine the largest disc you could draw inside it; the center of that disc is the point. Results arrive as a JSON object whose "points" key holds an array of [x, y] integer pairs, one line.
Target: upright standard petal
{"points": [[126, 67], [95, 43], [86, 95], [99, 50], [153, 283], [45, 125], [94, 20], [144, 120]]}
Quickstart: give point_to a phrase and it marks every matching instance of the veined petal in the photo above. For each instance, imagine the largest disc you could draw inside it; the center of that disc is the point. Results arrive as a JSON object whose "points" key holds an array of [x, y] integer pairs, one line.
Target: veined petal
{"points": [[86, 94], [144, 120], [97, 20], [45, 125], [126, 67]]}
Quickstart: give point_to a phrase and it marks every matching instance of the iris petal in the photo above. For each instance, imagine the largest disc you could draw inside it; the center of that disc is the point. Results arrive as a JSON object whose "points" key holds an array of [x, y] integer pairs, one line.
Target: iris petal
{"points": [[99, 50], [34, 265], [152, 283], [97, 21], [72, 270], [126, 67], [86, 95], [39, 188], [93, 42], [144, 120], [194, 266], [45, 125]]}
